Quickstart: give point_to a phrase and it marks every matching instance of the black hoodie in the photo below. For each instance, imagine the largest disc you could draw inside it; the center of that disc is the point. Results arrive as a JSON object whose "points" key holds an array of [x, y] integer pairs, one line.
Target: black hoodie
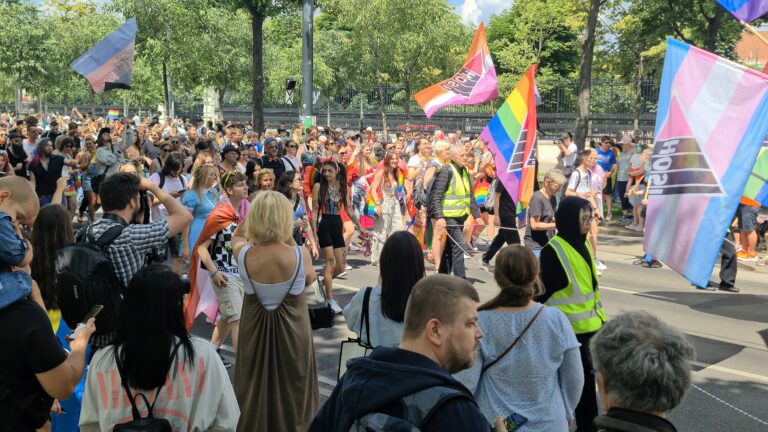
{"points": [[568, 225], [377, 383]]}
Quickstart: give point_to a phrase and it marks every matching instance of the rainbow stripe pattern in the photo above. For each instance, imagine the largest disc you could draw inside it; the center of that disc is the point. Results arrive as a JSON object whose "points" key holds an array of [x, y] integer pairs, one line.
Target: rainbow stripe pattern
{"points": [[711, 122], [481, 192], [370, 204], [511, 137], [473, 84], [756, 191], [113, 113]]}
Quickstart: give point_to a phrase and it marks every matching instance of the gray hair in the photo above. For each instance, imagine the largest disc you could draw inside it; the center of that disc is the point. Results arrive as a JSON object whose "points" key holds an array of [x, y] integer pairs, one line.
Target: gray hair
{"points": [[645, 362], [555, 176]]}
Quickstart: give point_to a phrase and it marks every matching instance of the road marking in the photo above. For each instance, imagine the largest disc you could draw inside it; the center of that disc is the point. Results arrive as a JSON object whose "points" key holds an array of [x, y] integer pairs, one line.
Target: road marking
{"points": [[326, 380], [638, 293], [730, 371]]}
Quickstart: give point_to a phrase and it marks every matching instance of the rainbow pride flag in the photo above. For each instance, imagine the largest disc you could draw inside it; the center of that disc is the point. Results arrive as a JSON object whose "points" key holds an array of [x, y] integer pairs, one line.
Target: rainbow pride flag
{"points": [[113, 113], [756, 191], [711, 122], [507, 136], [481, 192], [370, 204], [473, 84]]}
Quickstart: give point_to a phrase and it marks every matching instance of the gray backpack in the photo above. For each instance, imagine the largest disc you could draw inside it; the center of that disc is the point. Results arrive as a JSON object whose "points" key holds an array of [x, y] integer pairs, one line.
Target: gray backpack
{"points": [[417, 410]]}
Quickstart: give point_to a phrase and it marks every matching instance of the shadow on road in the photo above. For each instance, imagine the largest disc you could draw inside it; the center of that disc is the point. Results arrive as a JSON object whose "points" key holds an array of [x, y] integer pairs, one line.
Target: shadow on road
{"points": [[746, 307]]}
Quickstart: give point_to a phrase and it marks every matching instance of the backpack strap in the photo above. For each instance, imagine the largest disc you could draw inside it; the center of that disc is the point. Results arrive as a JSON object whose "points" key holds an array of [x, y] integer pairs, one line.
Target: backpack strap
{"points": [[108, 236], [364, 315], [132, 398], [420, 406], [162, 180]]}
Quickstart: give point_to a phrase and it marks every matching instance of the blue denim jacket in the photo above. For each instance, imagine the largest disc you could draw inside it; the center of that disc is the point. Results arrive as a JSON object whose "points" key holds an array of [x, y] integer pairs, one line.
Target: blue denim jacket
{"points": [[14, 285]]}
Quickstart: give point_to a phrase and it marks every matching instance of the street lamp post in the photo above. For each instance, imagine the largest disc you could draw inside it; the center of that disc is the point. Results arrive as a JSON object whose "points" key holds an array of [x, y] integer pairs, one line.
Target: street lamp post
{"points": [[307, 38]]}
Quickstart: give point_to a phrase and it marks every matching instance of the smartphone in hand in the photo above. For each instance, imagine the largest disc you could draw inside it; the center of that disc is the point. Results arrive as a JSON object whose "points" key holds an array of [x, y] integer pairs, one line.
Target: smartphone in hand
{"points": [[95, 310]]}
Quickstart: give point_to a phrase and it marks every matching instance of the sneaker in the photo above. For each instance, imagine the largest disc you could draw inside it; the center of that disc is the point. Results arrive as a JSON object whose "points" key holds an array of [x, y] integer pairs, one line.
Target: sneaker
{"points": [[342, 275], [486, 264], [348, 267], [319, 294], [335, 306], [763, 262], [227, 364], [466, 256], [638, 228], [631, 227], [601, 265], [747, 257]]}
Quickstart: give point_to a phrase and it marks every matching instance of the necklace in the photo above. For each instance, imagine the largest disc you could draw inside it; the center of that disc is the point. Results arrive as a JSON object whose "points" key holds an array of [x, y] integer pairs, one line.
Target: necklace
{"points": [[334, 194]]}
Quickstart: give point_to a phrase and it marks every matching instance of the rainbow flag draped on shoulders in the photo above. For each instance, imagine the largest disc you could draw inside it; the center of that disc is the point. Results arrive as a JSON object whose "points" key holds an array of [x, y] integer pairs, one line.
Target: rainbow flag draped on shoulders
{"points": [[711, 121], [511, 137], [473, 84]]}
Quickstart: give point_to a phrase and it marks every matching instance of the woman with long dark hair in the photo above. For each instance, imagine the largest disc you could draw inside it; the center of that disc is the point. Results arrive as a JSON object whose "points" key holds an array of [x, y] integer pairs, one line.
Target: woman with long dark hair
{"points": [[401, 266], [153, 354], [386, 191], [291, 185], [544, 350], [329, 199]]}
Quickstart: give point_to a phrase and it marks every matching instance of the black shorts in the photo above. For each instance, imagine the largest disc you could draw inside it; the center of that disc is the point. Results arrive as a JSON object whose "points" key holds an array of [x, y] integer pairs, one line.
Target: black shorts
{"points": [[608, 189], [330, 232]]}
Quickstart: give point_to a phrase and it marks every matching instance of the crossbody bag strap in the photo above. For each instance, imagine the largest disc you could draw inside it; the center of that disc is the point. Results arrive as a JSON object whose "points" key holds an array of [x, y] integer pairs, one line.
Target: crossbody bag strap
{"points": [[365, 315], [527, 326]]}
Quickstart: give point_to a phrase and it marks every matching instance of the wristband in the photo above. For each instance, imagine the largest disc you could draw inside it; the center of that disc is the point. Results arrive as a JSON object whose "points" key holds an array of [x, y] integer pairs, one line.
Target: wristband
{"points": [[214, 274]]}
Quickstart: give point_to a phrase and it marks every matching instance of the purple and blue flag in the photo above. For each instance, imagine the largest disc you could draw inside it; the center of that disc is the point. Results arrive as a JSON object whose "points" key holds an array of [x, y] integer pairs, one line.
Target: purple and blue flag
{"points": [[711, 121], [109, 64], [745, 10]]}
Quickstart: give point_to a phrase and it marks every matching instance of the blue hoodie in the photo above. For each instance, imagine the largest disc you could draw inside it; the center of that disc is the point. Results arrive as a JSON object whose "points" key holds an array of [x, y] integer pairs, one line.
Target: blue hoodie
{"points": [[378, 382]]}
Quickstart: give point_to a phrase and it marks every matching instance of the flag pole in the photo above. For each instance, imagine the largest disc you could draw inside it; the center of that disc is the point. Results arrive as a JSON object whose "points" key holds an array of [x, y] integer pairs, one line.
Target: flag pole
{"points": [[126, 106], [754, 31]]}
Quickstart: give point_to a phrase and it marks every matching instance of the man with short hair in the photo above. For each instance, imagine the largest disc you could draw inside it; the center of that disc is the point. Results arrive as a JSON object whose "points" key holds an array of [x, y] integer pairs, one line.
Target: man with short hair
{"points": [[643, 371], [606, 158], [440, 337], [452, 201], [53, 132], [271, 159], [45, 169], [129, 252]]}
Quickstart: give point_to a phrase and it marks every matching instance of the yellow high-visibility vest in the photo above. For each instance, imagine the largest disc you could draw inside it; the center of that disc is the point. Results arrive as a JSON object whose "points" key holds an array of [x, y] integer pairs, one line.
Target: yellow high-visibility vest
{"points": [[580, 303], [456, 203]]}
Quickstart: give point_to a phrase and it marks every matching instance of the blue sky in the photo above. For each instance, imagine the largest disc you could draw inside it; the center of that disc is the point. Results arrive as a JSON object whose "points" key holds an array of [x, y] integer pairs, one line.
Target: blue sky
{"points": [[473, 11]]}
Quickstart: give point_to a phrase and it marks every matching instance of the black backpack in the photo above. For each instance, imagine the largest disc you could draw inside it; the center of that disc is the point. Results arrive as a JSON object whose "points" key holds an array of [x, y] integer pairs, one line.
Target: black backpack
{"points": [[85, 277]]}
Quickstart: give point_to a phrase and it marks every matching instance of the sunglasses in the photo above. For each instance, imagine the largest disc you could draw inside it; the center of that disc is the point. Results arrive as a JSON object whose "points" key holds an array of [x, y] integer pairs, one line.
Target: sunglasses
{"points": [[293, 146], [166, 150]]}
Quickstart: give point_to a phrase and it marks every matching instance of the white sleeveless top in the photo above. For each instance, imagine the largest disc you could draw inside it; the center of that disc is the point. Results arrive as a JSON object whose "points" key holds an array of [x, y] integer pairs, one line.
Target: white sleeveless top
{"points": [[271, 295]]}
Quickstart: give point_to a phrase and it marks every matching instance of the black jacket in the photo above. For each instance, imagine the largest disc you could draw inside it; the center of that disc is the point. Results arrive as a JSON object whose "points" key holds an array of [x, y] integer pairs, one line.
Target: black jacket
{"points": [[440, 186], [624, 420], [553, 275], [378, 382]]}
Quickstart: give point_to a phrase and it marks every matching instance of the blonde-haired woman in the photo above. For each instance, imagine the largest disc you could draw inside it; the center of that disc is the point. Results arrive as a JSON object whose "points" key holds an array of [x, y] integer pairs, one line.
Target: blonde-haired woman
{"points": [[276, 385], [437, 238], [265, 181], [200, 200]]}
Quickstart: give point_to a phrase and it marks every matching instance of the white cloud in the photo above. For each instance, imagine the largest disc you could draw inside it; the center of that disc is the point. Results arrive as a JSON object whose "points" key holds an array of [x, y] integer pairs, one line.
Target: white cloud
{"points": [[473, 11]]}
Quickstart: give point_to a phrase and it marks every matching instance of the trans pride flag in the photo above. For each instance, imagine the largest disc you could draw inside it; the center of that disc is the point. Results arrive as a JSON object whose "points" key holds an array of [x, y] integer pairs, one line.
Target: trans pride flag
{"points": [[473, 84], [745, 10], [109, 64], [507, 137], [711, 122]]}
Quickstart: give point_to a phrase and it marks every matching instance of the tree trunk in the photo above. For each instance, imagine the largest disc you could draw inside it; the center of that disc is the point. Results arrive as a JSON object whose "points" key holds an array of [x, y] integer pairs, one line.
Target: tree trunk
{"points": [[221, 103], [383, 113], [257, 97], [585, 74], [639, 95], [407, 101], [713, 29], [93, 103]]}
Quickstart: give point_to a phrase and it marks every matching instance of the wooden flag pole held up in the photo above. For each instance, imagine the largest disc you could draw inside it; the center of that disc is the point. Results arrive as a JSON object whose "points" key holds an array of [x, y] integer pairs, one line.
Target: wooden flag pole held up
{"points": [[754, 31]]}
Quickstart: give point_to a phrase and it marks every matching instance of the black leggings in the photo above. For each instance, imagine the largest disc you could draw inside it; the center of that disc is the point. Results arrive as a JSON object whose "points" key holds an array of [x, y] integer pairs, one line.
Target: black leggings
{"points": [[84, 204], [586, 410]]}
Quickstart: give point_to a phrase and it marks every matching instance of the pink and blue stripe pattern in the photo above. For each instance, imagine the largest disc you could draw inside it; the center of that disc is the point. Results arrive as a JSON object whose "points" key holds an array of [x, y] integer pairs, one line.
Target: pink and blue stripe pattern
{"points": [[711, 122], [109, 64], [745, 10]]}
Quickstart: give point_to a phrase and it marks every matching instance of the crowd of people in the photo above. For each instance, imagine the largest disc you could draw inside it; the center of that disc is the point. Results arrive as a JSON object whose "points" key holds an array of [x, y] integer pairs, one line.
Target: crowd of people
{"points": [[220, 220]]}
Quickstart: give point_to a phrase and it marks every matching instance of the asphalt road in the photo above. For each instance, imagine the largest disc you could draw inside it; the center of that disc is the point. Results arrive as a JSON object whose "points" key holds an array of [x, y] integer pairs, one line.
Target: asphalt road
{"points": [[729, 332]]}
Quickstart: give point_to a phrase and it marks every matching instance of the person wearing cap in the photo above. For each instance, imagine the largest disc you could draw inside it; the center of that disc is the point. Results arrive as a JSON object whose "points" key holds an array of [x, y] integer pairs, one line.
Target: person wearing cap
{"points": [[17, 156], [568, 153], [229, 156], [271, 158]]}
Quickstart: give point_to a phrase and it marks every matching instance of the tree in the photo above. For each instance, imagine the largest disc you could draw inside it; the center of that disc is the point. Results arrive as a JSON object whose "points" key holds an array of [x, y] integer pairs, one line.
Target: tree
{"points": [[260, 10], [392, 50], [534, 31], [585, 73], [24, 45]]}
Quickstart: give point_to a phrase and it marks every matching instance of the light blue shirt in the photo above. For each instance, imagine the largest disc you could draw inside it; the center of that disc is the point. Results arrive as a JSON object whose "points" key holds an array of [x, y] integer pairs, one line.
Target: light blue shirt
{"points": [[384, 331]]}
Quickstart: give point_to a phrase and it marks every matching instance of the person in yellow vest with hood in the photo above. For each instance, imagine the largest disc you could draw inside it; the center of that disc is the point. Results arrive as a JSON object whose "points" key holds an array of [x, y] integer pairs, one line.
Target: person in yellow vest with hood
{"points": [[451, 201], [569, 275]]}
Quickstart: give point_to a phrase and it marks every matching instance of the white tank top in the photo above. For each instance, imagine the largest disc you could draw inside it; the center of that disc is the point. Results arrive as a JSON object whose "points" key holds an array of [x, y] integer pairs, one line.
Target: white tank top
{"points": [[271, 295]]}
